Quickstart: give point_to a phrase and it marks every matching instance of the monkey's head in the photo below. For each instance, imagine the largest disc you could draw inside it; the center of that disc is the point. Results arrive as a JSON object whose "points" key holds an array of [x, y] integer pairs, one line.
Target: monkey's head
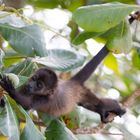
{"points": [[42, 82]]}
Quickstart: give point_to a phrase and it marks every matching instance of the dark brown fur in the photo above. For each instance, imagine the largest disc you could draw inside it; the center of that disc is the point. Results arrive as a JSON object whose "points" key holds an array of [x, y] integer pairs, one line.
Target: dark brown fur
{"points": [[58, 97], [44, 92]]}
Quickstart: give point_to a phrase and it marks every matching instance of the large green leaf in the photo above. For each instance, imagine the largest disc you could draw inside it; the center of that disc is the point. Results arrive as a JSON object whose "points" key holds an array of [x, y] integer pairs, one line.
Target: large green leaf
{"points": [[30, 131], [27, 40], [62, 60], [120, 38], [57, 130], [8, 122], [99, 18]]}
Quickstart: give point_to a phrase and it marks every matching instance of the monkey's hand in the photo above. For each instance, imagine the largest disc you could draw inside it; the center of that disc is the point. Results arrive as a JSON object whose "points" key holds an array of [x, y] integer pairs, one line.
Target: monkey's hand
{"points": [[107, 106], [6, 84]]}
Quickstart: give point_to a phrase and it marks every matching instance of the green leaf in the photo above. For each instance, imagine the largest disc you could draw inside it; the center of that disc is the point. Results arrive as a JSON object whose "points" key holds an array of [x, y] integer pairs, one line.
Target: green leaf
{"points": [[27, 40], [22, 80], [44, 3], [100, 18], [74, 4], [24, 68], [120, 38], [30, 131], [136, 60], [57, 130], [111, 62], [45, 118], [8, 122], [11, 57], [70, 4], [80, 38], [15, 107], [60, 59]]}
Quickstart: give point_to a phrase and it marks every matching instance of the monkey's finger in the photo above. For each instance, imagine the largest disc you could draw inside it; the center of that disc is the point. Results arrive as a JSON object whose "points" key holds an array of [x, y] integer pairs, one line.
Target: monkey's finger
{"points": [[2, 85], [6, 80], [6, 84]]}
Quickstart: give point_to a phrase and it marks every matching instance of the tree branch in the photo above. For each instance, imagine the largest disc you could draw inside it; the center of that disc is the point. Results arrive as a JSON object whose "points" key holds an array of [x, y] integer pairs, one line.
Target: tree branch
{"points": [[15, 11]]}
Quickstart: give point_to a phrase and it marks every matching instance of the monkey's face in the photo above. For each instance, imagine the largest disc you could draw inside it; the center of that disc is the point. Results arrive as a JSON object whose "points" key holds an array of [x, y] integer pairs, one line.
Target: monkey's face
{"points": [[42, 82]]}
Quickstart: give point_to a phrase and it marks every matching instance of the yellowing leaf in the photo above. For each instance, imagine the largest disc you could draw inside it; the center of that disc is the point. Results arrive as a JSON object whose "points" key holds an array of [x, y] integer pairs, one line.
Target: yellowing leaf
{"points": [[111, 62]]}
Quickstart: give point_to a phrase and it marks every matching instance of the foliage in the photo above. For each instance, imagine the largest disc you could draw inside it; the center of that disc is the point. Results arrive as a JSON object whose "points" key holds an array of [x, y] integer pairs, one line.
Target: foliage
{"points": [[23, 49]]}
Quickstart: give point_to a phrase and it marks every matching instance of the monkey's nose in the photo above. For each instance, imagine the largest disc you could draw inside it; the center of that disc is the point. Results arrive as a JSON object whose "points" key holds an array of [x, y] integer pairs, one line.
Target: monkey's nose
{"points": [[28, 87]]}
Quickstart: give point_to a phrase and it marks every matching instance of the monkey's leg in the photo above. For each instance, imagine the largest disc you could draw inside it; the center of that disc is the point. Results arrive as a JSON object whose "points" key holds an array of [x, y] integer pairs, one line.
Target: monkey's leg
{"points": [[103, 106]]}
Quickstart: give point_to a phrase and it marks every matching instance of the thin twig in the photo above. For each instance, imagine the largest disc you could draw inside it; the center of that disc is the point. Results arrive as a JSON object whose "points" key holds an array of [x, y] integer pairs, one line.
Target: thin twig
{"points": [[129, 101], [15, 11], [108, 133]]}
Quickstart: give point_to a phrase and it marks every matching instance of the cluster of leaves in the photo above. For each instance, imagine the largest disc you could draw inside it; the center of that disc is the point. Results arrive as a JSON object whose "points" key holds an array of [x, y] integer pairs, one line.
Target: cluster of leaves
{"points": [[26, 51], [108, 21]]}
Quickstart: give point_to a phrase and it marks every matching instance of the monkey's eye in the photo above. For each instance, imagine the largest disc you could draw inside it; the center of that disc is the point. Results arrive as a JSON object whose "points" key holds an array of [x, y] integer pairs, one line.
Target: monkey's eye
{"points": [[39, 85], [34, 78]]}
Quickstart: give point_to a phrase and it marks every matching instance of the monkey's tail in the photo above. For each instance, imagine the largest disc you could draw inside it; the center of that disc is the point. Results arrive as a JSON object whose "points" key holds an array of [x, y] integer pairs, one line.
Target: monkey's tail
{"points": [[90, 67]]}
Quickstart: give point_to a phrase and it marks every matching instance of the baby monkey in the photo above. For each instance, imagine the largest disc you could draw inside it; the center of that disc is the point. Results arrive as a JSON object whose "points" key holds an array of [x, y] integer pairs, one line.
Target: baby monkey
{"points": [[46, 93]]}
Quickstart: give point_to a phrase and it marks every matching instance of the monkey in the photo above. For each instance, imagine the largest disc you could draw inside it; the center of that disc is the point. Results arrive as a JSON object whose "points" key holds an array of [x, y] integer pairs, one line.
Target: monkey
{"points": [[45, 92]]}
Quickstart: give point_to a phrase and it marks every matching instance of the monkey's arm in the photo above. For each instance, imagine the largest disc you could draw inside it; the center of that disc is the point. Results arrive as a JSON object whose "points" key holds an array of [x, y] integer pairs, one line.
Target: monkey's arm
{"points": [[103, 106], [90, 67], [24, 101]]}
